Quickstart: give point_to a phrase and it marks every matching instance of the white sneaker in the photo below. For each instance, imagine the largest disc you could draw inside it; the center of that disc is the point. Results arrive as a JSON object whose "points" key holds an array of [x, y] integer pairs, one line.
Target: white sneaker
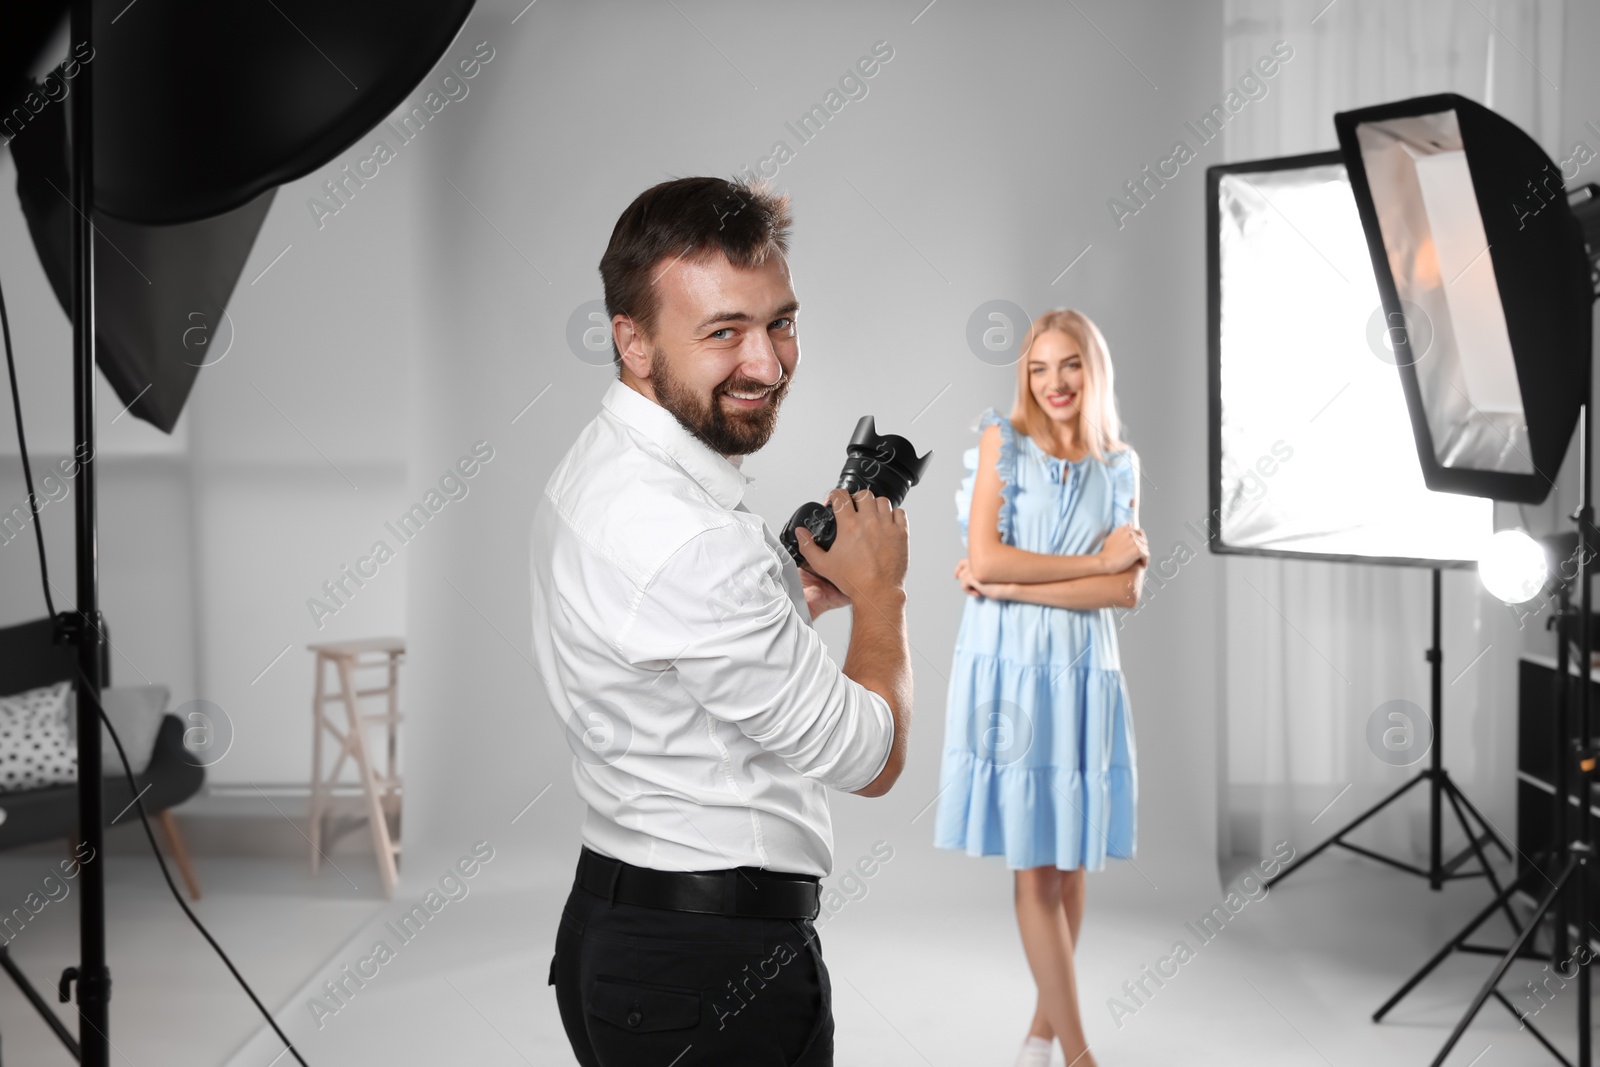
{"points": [[1035, 1052]]}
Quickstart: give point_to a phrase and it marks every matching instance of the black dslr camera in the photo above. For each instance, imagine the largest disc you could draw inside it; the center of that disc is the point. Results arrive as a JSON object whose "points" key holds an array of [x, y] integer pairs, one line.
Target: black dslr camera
{"points": [[888, 465]]}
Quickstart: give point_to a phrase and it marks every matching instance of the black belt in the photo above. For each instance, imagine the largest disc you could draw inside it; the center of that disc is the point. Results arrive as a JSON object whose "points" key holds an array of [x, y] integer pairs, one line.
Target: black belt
{"points": [[747, 891]]}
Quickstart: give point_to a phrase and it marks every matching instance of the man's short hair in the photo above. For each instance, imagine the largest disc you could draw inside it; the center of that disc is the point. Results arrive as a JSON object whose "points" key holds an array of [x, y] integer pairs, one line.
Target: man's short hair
{"points": [[687, 218]]}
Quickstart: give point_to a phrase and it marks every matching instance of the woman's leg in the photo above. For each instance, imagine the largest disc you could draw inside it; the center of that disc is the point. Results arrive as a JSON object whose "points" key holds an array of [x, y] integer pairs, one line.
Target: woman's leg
{"points": [[1049, 911], [1073, 886]]}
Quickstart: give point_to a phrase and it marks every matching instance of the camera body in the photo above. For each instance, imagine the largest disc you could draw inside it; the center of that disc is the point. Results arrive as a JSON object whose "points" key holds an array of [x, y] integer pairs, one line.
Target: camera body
{"points": [[887, 464]]}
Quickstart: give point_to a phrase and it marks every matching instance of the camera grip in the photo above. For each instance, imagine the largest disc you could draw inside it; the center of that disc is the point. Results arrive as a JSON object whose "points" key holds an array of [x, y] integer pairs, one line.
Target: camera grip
{"points": [[818, 518]]}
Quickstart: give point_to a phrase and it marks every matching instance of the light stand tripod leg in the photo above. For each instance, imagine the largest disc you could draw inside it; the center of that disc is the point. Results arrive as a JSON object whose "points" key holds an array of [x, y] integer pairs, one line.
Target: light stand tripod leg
{"points": [[1495, 838], [1505, 961], [1450, 946], [45, 1011], [1534, 1030], [1336, 838], [1483, 861]]}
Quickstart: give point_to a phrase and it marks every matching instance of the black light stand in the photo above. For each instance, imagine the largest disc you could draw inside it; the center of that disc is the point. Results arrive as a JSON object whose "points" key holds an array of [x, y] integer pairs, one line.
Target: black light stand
{"points": [[1439, 870], [1571, 907], [82, 626], [260, 118]]}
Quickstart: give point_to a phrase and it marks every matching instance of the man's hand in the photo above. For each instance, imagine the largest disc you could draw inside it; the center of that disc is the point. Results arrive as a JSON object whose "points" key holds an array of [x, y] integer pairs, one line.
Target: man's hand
{"points": [[868, 553], [821, 594], [867, 561]]}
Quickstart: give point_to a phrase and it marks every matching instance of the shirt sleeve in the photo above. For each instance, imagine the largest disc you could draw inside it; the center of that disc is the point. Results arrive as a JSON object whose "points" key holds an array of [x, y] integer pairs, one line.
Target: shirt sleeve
{"points": [[718, 616]]}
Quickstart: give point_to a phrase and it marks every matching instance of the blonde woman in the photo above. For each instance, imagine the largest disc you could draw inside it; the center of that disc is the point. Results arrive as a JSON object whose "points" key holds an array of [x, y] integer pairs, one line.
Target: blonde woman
{"points": [[1038, 762]]}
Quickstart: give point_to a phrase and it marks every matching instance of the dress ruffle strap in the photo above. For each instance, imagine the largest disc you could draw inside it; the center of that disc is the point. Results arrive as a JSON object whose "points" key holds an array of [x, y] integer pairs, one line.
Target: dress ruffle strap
{"points": [[1125, 486], [1005, 467]]}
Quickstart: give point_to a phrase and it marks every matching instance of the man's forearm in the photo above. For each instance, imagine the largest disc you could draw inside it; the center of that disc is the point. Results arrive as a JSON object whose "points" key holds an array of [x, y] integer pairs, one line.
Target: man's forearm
{"points": [[879, 658]]}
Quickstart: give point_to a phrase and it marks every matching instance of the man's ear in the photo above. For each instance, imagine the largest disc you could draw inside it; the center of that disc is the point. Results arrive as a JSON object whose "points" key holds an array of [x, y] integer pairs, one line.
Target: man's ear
{"points": [[633, 346]]}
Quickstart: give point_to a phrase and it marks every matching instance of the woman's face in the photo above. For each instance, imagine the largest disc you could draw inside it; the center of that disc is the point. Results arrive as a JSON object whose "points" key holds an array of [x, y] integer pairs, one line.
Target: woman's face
{"points": [[1055, 375]]}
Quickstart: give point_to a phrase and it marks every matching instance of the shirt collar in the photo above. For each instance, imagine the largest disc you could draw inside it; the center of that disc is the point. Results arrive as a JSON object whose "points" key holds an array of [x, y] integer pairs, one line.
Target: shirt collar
{"points": [[718, 475]]}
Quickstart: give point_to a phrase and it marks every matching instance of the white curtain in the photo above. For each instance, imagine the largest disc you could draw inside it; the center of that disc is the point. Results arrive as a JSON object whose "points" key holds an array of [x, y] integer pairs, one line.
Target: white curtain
{"points": [[1311, 649]]}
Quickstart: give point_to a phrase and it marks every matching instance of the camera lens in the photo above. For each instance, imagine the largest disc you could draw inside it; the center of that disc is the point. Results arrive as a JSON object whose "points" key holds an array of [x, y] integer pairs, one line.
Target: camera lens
{"points": [[887, 464]]}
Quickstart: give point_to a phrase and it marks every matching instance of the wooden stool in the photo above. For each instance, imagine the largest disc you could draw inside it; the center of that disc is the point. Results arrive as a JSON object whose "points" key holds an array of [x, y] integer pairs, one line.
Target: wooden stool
{"points": [[381, 791]]}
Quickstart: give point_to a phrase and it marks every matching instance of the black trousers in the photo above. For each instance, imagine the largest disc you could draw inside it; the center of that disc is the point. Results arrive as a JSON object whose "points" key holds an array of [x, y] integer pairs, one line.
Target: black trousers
{"points": [[648, 987]]}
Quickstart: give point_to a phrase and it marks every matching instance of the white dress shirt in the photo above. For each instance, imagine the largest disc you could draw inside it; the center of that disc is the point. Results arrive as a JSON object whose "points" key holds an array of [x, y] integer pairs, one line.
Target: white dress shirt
{"points": [[705, 716]]}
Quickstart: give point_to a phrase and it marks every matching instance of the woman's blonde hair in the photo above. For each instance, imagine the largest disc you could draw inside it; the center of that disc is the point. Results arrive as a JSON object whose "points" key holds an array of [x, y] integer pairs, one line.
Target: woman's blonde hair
{"points": [[1098, 424]]}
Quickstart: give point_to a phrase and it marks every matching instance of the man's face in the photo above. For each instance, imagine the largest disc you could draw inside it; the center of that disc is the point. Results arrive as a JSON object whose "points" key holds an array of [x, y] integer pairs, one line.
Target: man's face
{"points": [[721, 333]]}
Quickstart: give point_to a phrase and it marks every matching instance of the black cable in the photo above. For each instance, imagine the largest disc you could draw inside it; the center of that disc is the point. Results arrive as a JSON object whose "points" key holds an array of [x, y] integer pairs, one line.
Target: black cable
{"points": [[89, 690], [144, 819], [22, 446]]}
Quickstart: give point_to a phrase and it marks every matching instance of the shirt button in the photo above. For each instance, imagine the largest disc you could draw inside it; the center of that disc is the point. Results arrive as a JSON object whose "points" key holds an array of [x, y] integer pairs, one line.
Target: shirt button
{"points": [[634, 1018]]}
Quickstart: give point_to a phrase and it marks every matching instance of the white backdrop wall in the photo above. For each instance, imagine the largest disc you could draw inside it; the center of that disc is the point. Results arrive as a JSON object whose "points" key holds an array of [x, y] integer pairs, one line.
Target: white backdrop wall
{"points": [[288, 459], [978, 166], [376, 348]]}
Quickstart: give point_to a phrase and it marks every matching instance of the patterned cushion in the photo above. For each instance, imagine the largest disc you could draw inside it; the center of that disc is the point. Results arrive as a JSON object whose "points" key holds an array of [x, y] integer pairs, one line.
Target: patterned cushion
{"points": [[135, 712], [36, 749]]}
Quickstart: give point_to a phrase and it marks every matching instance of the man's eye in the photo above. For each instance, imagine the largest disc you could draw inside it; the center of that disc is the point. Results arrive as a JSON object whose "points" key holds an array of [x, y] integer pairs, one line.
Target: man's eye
{"points": [[782, 324], [725, 329]]}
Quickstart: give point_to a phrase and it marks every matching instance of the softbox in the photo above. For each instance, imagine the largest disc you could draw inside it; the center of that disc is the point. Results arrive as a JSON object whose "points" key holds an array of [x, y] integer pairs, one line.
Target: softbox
{"points": [[201, 111]]}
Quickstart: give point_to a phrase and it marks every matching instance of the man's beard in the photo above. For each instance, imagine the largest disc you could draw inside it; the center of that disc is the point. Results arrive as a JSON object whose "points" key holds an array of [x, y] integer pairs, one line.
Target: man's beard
{"points": [[725, 432]]}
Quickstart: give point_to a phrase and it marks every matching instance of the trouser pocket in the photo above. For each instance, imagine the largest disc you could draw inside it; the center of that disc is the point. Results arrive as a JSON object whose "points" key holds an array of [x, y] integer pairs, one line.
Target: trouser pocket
{"points": [[642, 1007], [750, 1001], [631, 1022], [818, 1050]]}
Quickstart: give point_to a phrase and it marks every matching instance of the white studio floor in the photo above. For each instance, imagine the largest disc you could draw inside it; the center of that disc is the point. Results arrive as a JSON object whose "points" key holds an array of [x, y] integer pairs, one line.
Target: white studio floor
{"points": [[921, 976]]}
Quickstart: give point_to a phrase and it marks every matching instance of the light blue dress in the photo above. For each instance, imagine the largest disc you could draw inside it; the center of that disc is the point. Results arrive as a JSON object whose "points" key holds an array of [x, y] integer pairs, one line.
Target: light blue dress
{"points": [[1038, 762]]}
